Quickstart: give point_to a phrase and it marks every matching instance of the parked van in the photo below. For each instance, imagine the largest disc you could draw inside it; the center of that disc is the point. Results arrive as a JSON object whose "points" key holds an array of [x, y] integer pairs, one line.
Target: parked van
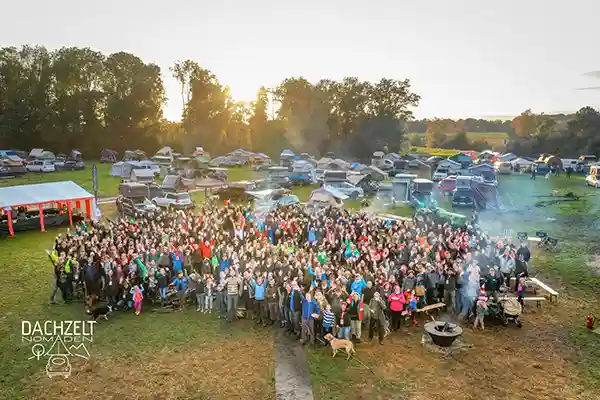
{"points": [[588, 159], [41, 166], [440, 174], [570, 163]]}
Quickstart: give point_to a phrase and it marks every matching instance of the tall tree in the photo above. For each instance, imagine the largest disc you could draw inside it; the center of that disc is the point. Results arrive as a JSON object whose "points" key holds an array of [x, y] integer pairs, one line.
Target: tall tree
{"points": [[135, 96], [208, 108], [436, 132], [525, 124], [258, 120]]}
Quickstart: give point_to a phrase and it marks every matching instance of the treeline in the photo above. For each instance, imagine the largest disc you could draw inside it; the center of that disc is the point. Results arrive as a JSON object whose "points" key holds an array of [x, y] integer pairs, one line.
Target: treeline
{"points": [[350, 116], [527, 133], [563, 135], [467, 125], [78, 98]]}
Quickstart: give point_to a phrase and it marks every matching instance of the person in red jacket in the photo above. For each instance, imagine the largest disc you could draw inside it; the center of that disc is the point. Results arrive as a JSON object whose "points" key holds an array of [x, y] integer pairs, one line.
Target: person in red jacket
{"points": [[206, 248], [396, 301]]}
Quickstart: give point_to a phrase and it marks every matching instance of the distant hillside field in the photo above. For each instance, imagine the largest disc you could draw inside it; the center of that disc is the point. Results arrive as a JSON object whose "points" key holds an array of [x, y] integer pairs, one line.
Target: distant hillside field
{"points": [[491, 137]]}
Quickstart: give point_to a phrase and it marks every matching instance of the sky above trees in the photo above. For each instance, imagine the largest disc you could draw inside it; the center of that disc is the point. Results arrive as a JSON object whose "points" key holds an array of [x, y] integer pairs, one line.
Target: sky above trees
{"points": [[465, 57]]}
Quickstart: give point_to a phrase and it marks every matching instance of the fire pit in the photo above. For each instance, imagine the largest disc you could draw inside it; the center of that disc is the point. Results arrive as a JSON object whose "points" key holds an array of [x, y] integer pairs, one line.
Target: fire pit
{"points": [[443, 333]]}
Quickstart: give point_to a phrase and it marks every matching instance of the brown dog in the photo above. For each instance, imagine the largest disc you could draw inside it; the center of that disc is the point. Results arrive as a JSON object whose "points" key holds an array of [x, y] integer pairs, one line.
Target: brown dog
{"points": [[337, 344]]}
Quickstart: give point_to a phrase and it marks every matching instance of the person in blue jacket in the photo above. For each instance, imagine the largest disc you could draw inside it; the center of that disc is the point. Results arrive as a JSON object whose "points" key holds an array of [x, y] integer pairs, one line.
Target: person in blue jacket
{"points": [[177, 261], [259, 284], [358, 285], [224, 263], [310, 311], [181, 284], [312, 237], [317, 275]]}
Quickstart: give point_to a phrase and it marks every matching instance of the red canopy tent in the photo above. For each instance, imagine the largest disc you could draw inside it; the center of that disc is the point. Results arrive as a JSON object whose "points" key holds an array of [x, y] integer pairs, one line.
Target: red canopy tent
{"points": [[59, 194]]}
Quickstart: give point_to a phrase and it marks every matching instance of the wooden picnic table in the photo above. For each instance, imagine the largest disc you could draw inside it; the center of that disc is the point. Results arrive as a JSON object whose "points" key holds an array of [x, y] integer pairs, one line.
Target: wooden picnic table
{"points": [[553, 293]]}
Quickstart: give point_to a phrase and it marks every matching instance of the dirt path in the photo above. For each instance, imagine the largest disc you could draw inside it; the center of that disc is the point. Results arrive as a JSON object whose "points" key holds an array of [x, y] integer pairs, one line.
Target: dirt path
{"points": [[292, 381]]}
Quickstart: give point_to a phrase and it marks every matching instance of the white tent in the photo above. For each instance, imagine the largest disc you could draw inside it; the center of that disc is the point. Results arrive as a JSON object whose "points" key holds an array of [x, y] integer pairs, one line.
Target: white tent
{"points": [[117, 169], [521, 161], [56, 194], [42, 193]]}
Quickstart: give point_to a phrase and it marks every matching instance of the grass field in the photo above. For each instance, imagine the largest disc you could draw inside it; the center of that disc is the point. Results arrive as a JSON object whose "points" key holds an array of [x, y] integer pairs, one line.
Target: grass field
{"points": [[107, 185], [191, 356], [493, 138], [552, 356], [180, 355]]}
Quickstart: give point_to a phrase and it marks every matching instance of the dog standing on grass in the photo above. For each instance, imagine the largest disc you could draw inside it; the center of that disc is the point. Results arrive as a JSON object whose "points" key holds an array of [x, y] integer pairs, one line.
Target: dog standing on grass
{"points": [[337, 344], [96, 310]]}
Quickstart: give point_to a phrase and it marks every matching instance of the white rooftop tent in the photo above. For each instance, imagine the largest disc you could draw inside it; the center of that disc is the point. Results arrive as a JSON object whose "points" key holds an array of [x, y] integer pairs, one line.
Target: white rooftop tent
{"points": [[143, 175], [58, 193]]}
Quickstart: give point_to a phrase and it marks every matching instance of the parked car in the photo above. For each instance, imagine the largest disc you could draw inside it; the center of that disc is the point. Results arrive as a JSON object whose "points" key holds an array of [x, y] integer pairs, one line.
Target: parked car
{"points": [[447, 185], [439, 174], [278, 181], [74, 165], [301, 178], [135, 206], [59, 162], [41, 166], [262, 167], [463, 197], [180, 201], [353, 192], [592, 180], [278, 200]]}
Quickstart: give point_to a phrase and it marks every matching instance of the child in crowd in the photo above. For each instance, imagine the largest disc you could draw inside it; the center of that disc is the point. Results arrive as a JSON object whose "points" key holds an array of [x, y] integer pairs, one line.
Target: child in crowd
{"points": [[480, 313], [521, 289]]}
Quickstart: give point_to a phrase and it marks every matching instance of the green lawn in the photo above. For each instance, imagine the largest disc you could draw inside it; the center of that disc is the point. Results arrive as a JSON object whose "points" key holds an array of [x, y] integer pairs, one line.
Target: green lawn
{"points": [[203, 359], [182, 354], [430, 151], [107, 185], [493, 138]]}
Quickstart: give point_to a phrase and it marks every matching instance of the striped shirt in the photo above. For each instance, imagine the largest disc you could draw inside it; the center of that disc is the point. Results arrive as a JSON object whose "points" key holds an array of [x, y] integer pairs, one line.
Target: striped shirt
{"points": [[328, 319], [233, 286]]}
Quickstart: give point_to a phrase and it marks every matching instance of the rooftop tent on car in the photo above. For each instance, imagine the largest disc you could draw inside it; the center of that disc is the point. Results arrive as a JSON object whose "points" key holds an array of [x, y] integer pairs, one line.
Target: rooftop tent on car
{"points": [[133, 189], [332, 175]]}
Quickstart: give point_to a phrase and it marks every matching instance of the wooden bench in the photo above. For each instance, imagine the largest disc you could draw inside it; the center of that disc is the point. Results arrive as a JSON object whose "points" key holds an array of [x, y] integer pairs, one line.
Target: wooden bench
{"points": [[538, 300], [553, 293], [431, 307]]}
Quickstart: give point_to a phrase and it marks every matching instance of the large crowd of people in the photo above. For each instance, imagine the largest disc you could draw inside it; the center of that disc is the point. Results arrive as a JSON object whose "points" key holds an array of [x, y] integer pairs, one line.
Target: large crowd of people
{"points": [[336, 271]]}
